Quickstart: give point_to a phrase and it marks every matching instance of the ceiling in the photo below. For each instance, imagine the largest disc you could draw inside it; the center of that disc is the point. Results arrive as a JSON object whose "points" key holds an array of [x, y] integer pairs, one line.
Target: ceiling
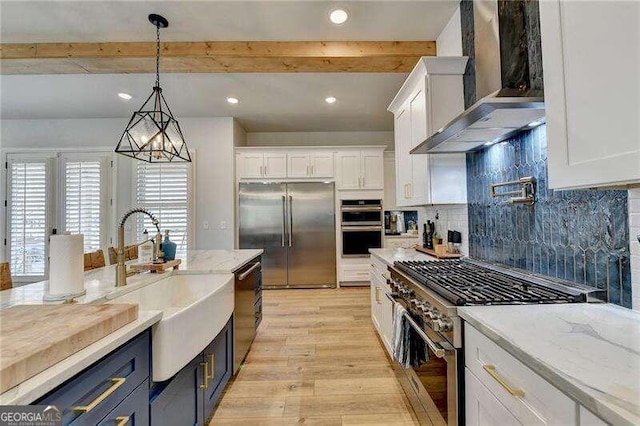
{"points": [[268, 102]]}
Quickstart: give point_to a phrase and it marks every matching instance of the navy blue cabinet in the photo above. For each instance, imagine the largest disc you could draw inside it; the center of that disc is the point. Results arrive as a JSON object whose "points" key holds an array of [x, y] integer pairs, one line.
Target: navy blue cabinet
{"points": [[219, 356], [117, 389], [179, 400], [133, 411], [96, 391], [189, 397]]}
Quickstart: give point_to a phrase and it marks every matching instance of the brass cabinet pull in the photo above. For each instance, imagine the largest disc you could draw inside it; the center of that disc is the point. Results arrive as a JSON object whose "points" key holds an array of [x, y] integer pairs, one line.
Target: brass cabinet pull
{"points": [[491, 370], [116, 383], [205, 375], [378, 295], [212, 369], [122, 420]]}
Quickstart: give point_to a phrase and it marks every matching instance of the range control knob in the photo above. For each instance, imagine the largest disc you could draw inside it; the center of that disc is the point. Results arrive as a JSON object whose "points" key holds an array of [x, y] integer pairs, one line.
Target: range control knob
{"points": [[433, 314], [442, 325]]}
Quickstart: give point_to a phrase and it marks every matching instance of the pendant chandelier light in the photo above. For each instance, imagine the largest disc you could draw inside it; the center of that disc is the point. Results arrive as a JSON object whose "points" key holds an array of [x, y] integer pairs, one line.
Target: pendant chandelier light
{"points": [[153, 134]]}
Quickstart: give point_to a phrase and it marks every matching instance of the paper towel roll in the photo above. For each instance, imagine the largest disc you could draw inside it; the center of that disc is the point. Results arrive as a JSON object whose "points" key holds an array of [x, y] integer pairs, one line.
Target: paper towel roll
{"points": [[66, 267]]}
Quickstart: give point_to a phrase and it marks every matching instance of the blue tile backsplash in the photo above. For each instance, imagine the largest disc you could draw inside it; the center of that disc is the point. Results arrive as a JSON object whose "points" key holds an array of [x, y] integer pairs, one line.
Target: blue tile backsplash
{"points": [[581, 236]]}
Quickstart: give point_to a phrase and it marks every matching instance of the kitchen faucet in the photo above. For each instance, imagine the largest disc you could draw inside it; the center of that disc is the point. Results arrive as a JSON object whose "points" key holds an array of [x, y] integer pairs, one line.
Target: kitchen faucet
{"points": [[121, 269]]}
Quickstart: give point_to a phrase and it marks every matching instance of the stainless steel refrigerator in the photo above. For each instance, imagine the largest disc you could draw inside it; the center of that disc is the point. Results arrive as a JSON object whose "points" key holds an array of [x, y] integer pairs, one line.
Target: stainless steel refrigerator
{"points": [[295, 225]]}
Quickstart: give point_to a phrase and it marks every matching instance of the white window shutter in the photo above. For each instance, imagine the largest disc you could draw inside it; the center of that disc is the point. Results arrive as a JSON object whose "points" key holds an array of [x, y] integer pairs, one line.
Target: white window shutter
{"points": [[83, 200], [28, 216], [163, 189]]}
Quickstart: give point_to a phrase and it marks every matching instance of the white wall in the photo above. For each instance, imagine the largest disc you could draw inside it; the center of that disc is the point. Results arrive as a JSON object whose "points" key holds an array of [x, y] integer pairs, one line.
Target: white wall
{"points": [[213, 139], [319, 138], [452, 217], [449, 42], [634, 245]]}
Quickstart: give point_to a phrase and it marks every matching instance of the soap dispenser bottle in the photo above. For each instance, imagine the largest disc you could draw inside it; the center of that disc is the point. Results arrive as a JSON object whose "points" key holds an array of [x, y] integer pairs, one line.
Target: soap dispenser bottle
{"points": [[145, 250], [168, 247]]}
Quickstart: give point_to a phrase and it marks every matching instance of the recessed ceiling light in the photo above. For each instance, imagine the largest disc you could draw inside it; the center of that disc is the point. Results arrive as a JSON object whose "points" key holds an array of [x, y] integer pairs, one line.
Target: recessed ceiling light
{"points": [[338, 16], [125, 96], [233, 100], [330, 100]]}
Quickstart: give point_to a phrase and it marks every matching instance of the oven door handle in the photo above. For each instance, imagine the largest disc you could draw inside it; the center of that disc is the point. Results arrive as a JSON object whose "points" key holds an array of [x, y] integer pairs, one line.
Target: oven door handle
{"points": [[361, 228], [438, 350], [361, 209]]}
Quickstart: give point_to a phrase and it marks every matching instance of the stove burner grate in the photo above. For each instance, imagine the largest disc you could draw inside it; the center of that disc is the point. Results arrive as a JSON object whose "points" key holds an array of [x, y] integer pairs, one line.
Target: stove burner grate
{"points": [[465, 283]]}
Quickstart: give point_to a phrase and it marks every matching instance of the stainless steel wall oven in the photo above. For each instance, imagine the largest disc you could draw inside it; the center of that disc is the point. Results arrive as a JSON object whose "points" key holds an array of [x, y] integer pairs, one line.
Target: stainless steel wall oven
{"points": [[361, 225]]}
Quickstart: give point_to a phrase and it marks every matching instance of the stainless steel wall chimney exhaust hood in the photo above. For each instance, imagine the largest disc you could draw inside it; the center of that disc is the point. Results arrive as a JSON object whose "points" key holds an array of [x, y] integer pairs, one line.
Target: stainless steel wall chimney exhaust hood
{"points": [[506, 59]]}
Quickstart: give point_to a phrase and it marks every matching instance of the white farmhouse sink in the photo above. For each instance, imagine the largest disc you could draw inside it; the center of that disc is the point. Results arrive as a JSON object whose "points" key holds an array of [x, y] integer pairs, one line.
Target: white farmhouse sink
{"points": [[194, 310]]}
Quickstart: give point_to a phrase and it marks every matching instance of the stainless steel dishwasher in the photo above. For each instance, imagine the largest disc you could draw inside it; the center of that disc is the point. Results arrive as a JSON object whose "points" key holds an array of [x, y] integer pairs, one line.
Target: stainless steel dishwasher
{"points": [[247, 312]]}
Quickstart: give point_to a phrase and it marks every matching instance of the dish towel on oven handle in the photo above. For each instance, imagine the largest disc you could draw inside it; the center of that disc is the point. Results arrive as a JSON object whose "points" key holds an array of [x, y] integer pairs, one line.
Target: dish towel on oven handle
{"points": [[408, 347]]}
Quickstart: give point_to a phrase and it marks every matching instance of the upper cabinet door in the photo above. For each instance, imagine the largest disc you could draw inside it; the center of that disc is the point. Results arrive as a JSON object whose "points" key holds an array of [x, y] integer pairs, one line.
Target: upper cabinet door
{"points": [[348, 170], [592, 92], [298, 165], [372, 170], [420, 180], [402, 133], [419, 114], [275, 165], [322, 164], [251, 165]]}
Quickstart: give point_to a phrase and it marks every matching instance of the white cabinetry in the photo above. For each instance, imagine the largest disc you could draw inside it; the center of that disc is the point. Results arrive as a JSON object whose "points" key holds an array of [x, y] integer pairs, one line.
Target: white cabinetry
{"points": [[360, 169], [587, 418], [315, 164], [431, 96], [481, 407], [298, 164], [506, 391], [381, 306], [592, 101], [255, 165]]}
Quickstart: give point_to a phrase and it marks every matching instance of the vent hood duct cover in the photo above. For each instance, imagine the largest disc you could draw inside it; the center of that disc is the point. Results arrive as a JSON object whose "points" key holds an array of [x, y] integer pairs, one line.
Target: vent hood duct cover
{"points": [[508, 79]]}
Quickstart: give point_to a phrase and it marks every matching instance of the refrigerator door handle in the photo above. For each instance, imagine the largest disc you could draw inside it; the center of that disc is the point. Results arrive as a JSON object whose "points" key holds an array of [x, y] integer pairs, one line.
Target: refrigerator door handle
{"points": [[284, 218], [290, 219]]}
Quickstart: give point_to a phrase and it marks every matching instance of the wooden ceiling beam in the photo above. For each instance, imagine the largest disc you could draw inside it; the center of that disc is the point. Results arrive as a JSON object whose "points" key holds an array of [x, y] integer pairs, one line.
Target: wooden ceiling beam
{"points": [[213, 57]]}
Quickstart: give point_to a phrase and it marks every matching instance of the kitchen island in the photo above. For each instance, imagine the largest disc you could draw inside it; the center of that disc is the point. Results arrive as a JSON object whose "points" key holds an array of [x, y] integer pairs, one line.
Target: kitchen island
{"points": [[100, 288], [100, 283]]}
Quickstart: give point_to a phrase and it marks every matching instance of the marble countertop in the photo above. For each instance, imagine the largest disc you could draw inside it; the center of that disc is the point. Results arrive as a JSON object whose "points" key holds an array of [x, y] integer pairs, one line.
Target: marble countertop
{"points": [[100, 283], [47, 380], [389, 255], [591, 352]]}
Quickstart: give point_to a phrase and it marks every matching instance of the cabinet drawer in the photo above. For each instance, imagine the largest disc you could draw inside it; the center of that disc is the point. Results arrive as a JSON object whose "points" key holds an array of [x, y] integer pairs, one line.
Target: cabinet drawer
{"points": [[133, 411], [101, 387], [356, 272], [530, 398], [481, 407], [378, 268]]}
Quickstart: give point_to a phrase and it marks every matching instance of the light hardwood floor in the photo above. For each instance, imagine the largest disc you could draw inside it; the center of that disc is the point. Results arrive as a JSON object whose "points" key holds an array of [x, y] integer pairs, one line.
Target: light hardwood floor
{"points": [[315, 361]]}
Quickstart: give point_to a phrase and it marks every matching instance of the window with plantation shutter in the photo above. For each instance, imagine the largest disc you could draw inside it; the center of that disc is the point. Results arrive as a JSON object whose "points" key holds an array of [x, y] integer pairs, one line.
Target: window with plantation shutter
{"points": [[163, 189], [28, 217], [84, 200], [66, 191]]}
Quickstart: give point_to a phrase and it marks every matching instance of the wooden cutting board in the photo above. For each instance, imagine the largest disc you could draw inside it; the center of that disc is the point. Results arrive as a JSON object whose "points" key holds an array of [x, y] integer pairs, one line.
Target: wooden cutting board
{"points": [[439, 255], [34, 337]]}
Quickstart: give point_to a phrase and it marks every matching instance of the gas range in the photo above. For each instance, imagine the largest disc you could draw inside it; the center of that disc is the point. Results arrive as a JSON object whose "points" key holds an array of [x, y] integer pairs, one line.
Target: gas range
{"points": [[432, 290]]}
